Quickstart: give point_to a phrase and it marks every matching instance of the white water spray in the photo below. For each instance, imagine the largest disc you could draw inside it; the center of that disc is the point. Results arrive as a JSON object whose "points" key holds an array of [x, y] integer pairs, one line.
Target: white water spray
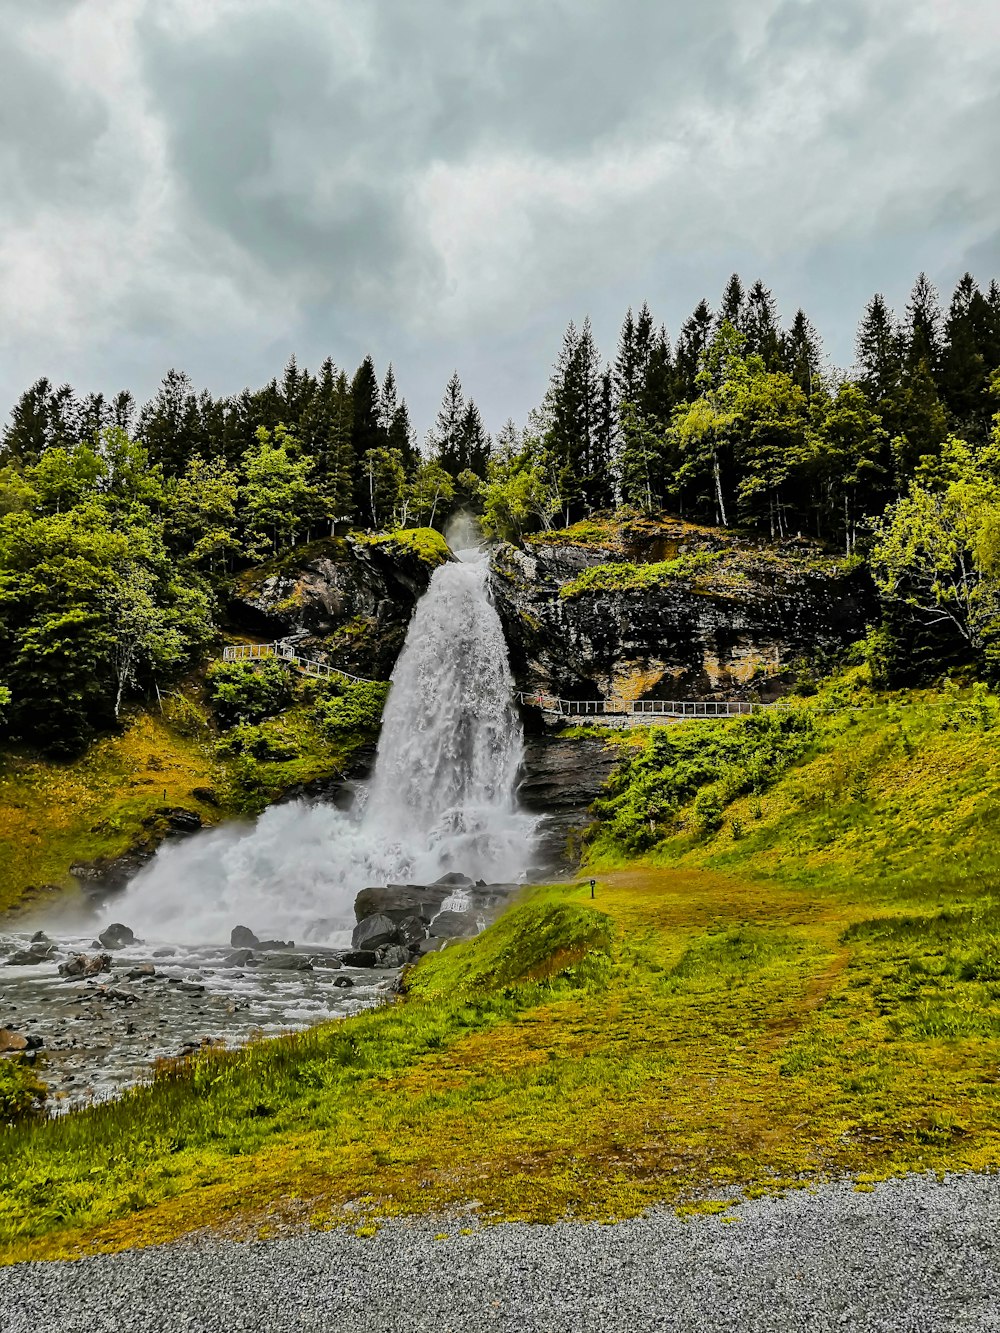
{"points": [[441, 798]]}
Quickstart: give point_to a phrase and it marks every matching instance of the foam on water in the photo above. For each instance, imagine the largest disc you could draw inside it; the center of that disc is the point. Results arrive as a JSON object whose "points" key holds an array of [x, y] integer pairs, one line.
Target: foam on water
{"points": [[442, 797]]}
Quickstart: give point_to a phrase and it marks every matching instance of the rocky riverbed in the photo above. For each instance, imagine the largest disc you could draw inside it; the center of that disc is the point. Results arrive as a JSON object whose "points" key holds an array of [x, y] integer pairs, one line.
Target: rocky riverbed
{"points": [[96, 1034]]}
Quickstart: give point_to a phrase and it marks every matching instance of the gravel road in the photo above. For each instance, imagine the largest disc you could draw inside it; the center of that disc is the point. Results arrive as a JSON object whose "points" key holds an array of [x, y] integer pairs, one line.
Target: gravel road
{"points": [[913, 1256]]}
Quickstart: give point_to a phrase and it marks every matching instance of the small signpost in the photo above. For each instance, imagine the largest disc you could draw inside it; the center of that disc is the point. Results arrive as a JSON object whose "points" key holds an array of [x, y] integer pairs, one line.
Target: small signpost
{"points": [[593, 885]]}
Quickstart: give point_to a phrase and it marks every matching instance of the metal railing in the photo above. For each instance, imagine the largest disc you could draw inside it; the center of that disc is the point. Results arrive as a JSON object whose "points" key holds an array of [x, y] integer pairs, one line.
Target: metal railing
{"points": [[309, 666], [639, 709]]}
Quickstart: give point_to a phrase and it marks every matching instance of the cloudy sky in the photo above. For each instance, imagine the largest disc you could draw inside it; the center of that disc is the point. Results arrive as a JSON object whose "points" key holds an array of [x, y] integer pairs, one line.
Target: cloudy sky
{"points": [[213, 184]]}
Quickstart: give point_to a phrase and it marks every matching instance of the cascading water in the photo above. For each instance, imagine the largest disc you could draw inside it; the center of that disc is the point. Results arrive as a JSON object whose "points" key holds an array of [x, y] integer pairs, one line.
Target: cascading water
{"points": [[442, 797]]}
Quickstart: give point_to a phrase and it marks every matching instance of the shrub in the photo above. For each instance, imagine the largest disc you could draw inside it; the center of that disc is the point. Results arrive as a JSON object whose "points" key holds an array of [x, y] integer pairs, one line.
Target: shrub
{"points": [[248, 691], [22, 1093], [358, 707]]}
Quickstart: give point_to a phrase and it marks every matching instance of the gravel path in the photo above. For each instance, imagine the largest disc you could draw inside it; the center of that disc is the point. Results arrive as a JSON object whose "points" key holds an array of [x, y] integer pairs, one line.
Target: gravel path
{"points": [[913, 1256]]}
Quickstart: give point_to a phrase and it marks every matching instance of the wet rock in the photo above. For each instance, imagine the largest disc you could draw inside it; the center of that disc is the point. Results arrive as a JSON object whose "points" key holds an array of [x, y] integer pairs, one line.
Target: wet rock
{"points": [[191, 988], [399, 901], [116, 936], [82, 966], [38, 953], [392, 955], [40, 937], [345, 983], [291, 962], [373, 932], [167, 952], [410, 930], [176, 818], [428, 946], [242, 937], [359, 958], [454, 925], [239, 958], [275, 944], [11, 1041], [142, 972], [120, 993], [454, 880]]}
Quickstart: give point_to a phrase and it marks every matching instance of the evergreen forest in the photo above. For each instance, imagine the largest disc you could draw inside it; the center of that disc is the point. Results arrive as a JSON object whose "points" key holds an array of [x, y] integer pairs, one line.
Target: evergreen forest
{"points": [[122, 525]]}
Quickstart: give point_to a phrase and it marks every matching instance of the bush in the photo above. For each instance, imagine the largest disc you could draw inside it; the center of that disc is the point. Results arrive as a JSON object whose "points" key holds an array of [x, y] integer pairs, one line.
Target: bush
{"points": [[248, 691], [244, 739], [357, 707], [22, 1093], [707, 763]]}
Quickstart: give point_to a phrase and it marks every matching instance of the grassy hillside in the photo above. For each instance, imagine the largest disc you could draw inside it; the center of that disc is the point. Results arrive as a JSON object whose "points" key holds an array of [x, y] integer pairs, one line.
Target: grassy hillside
{"points": [[52, 813], [818, 995]]}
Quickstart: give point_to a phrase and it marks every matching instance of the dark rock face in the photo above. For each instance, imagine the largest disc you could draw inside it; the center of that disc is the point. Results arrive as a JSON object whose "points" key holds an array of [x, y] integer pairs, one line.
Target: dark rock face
{"points": [[373, 932], [112, 874], [562, 776], [454, 925], [242, 937], [400, 902], [345, 600], [720, 631]]}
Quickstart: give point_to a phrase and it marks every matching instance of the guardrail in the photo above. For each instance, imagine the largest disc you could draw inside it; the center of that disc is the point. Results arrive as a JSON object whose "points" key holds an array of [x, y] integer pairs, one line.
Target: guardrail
{"points": [[309, 666], [638, 710]]}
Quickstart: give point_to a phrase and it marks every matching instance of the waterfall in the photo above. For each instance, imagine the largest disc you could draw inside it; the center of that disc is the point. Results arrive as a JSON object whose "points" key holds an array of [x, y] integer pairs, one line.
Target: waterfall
{"points": [[442, 797]]}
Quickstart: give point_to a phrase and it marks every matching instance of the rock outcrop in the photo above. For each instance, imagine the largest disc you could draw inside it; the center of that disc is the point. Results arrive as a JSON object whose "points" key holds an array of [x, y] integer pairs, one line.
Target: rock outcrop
{"points": [[671, 611], [345, 599]]}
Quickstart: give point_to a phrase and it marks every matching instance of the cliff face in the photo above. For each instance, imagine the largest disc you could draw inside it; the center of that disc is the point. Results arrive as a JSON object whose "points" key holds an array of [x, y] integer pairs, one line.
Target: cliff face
{"points": [[348, 601], [670, 611]]}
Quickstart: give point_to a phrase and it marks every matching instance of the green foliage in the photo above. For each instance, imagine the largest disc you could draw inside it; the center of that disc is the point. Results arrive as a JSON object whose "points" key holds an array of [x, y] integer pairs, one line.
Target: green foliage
{"points": [[352, 707], [22, 1093], [935, 555], [704, 765], [248, 692], [620, 576]]}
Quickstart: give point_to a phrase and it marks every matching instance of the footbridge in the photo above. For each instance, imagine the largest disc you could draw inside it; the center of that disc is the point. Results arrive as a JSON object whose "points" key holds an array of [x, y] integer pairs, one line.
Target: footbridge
{"points": [[284, 652], [571, 712], [639, 712]]}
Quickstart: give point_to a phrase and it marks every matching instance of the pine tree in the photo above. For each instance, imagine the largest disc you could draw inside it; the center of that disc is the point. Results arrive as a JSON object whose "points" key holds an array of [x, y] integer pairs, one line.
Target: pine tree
{"points": [[733, 308], [325, 435], [394, 418], [445, 440], [366, 429], [965, 368], [801, 353], [626, 374], [761, 326], [923, 325], [474, 448], [42, 418], [169, 425], [657, 395], [879, 349], [694, 338]]}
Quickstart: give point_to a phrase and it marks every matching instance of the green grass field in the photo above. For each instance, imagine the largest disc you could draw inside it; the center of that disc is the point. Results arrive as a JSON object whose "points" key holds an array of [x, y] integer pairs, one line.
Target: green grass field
{"points": [[817, 995]]}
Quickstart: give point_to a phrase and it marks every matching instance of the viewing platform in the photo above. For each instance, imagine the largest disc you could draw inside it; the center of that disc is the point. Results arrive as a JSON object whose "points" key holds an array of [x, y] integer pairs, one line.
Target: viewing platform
{"points": [[640, 712]]}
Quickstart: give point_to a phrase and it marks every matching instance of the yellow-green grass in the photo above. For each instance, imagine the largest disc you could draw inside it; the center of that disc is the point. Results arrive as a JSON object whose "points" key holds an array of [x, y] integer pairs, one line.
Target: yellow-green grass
{"points": [[426, 543], [730, 1017], [52, 813]]}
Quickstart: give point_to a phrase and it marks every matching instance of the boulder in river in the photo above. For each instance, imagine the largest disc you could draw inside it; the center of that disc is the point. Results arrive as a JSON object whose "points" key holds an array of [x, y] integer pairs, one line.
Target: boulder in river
{"points": [[291, 962], [11, 1041], [374, 931], [410, 930], [242, 937], [116, 936], [359, 958], [239, 958], [428, 946], [82, 966], [345, 983], [38, 953], [392, 955], [400, 901], [143, 972], [275, 944]]}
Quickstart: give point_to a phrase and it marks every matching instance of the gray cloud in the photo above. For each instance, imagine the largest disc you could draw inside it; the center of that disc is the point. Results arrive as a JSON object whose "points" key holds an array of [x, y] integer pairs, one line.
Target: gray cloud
{"points": [[215, 186]]}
